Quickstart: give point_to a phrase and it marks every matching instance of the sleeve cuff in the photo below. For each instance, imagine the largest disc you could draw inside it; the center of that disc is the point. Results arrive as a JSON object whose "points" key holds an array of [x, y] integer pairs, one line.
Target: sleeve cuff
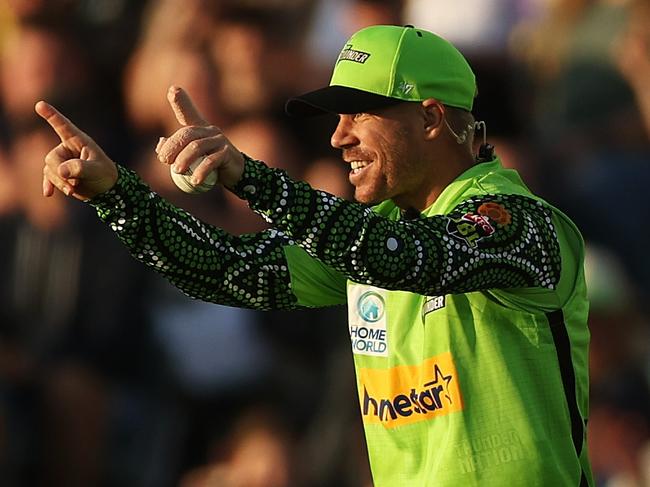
{"points": [[126, 183], [253, 179]]}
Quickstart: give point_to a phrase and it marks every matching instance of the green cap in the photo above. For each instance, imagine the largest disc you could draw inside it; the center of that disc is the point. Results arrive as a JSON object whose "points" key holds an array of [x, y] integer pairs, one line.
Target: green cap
{"points": [[382, 65]]}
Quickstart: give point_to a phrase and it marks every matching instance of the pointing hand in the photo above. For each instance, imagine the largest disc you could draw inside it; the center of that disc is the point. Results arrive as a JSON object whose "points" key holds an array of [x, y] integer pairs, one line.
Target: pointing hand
{"points": [[198, 138], [77, 166]]}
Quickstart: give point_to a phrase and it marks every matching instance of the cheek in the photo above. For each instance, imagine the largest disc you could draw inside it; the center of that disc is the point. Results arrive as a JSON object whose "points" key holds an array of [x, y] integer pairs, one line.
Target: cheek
{"points": [[398, 140], [396, 155]]}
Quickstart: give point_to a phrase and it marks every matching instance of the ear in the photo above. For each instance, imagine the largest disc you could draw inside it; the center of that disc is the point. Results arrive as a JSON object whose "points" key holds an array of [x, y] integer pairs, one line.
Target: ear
{"points": [[434, 114]]}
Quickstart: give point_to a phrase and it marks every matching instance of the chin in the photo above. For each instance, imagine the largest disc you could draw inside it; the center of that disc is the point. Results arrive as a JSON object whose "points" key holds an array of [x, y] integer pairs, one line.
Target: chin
{"points": [[367, 199]]}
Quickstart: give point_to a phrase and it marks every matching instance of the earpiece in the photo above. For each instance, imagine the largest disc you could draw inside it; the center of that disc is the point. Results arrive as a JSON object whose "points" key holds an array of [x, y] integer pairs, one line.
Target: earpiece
{"points": [[486, 151], [462, 137]]}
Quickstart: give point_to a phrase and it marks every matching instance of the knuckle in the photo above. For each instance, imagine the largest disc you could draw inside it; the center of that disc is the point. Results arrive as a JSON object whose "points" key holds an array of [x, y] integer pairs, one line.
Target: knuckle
{"points": [[194, 146], [216, 143], [74, 167], [208, 161], [163, 155], [51, 158], [185, 134]]}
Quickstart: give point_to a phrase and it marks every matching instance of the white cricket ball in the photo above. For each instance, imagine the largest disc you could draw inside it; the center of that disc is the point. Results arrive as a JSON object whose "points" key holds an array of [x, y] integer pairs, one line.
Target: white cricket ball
{"points": [[184, 183]]}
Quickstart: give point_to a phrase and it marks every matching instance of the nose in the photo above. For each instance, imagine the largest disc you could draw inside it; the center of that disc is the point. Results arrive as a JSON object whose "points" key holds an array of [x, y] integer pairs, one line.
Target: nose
{"points": [[343, 135]]}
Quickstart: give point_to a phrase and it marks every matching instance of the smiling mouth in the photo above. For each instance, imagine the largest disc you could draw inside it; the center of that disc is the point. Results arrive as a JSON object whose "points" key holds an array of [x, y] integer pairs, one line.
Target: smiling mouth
{"points": [[358, 166]]}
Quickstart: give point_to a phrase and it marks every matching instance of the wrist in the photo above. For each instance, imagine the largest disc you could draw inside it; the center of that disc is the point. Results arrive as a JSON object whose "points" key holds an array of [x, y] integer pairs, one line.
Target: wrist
{"points": [[250, 179], [119, 178], [235, 175]]}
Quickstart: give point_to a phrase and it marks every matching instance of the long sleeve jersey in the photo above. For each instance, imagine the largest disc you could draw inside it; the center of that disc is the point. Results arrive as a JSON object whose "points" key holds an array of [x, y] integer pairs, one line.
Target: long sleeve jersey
{"points": [[467, 322]]}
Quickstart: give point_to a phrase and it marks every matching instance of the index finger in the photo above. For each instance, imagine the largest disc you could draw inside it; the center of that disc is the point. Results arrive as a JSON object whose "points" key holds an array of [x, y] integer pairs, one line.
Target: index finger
{"points": [[185, 111], [67, 131]]}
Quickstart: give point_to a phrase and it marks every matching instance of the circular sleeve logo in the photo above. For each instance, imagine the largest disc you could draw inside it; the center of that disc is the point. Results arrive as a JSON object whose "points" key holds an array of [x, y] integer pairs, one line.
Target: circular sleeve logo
{"points": [[370, 306]]}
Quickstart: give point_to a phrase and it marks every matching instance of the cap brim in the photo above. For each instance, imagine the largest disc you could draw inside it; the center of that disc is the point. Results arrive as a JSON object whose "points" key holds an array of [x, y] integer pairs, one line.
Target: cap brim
{"points": [[336, 99]]}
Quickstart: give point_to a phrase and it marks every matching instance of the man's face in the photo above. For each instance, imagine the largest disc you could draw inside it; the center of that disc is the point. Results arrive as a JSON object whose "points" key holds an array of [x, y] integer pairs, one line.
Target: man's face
{"points": [[383, 149]]}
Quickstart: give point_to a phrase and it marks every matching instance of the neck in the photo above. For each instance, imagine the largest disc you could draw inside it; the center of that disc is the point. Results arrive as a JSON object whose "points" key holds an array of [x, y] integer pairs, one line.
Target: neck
{"points": [[439, 176]]}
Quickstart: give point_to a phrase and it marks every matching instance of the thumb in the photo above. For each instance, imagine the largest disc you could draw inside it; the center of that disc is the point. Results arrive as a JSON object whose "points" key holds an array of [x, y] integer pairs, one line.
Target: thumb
{"points": [[84, 168], [73, 168], [184, 110]]}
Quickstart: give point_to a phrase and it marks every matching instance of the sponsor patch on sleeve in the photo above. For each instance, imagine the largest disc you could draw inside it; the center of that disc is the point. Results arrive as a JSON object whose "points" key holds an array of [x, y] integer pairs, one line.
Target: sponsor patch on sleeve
{"points": [[495, 212], [473, 227], [470, 228]]}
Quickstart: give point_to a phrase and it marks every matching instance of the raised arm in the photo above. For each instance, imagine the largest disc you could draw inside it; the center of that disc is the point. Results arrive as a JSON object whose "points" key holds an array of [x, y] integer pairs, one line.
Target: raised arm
{"points": [[486, 242], [204, 261], [426, 255], [252, 271]]}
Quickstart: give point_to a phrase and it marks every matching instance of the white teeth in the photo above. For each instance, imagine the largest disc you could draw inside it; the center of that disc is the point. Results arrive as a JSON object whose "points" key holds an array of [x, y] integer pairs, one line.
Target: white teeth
{"points": [[358, 164]]}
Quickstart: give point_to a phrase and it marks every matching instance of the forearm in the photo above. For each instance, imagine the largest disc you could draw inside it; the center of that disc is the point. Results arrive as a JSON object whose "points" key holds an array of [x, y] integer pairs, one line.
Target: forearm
{"points": [[425, 255], [203, 261]]}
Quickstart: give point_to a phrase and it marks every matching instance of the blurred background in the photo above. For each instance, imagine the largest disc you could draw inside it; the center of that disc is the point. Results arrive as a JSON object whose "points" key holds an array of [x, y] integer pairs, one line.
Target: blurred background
{"points": [[111, 377]]}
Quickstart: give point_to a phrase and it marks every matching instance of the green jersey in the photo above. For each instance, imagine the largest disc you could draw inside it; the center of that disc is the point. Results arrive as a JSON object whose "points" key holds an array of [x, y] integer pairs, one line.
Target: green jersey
{"points": [[467, 322]]}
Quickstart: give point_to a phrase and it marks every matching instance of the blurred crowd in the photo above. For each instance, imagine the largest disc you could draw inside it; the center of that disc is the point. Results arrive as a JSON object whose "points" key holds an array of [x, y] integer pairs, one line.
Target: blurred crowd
{"points": [[111, 377]]}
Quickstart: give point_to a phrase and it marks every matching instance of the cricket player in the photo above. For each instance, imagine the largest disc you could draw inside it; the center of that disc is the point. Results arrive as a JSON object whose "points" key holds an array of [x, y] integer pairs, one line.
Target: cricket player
{"points": [[466, 294]]}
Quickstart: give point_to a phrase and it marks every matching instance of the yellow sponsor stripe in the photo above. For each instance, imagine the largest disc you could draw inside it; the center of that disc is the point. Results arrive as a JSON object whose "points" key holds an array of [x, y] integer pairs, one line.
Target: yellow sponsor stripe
{"points": [[410, 393]]}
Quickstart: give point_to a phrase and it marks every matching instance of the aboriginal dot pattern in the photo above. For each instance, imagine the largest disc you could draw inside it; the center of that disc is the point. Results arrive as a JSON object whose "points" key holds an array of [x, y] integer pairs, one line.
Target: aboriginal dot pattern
{"points": [[422, 255], [203, 261]]}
